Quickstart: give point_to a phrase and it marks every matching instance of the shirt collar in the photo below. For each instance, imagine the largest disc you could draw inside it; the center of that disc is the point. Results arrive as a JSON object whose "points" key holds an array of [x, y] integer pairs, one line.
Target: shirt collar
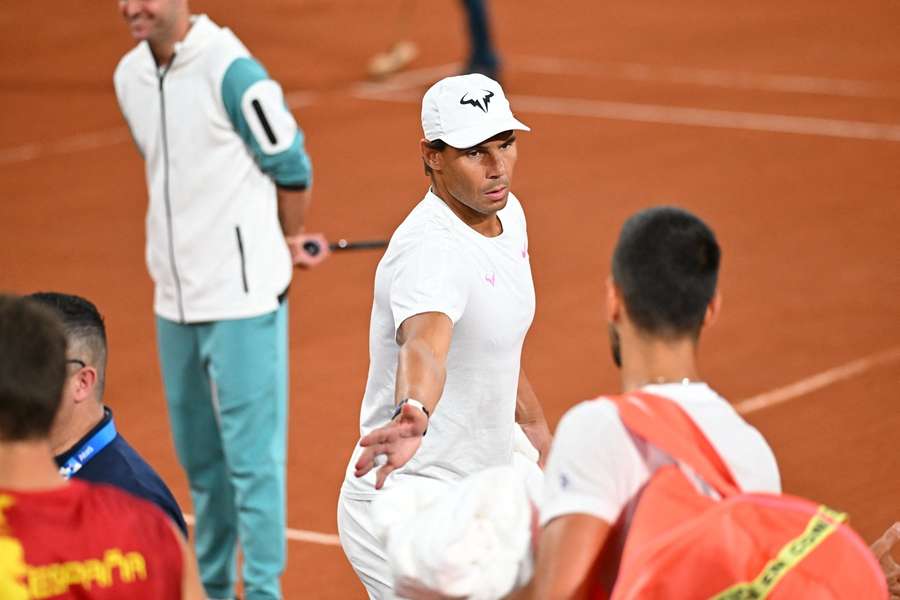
{"points": [[62, 458]]}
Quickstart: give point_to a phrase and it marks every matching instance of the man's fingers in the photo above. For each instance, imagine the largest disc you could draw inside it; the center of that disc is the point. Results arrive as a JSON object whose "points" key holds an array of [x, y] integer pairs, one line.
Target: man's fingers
{"points": [[308, 249], [390, 433], [382, 435], [386, 441], [882, 546], [374, 442], [882, 550], [364, 464], [369, 458], [308, 261], [382, 473]]}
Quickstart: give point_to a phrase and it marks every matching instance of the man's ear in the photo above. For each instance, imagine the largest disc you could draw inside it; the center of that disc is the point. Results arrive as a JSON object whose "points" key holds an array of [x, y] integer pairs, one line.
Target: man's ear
{"points": [[712, 311], [432, 158], [613, 301], [85, 380]]}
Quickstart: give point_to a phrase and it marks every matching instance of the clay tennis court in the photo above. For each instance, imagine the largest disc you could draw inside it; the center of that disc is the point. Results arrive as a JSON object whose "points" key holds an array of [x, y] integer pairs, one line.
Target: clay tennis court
{"points": [[777, 123]]}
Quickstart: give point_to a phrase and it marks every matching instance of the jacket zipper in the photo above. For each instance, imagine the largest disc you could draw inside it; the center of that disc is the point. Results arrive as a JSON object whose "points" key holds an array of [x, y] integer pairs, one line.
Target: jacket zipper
{"points": [[240, 243], [165, 140]]}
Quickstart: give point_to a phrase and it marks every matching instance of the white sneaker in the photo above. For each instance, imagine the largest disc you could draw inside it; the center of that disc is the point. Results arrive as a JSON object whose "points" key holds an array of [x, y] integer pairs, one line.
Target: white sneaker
{"points": [[387, 63]]}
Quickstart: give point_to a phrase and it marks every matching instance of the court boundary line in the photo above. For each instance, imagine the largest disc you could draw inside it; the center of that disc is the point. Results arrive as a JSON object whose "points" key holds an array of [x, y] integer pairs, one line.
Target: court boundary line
{"points": [[816, 382], [755, 403], [399, 89], [683, 115], [296, 535], [701, 117], [67, 145], [104, 138], [404, 80], [708, 77]]}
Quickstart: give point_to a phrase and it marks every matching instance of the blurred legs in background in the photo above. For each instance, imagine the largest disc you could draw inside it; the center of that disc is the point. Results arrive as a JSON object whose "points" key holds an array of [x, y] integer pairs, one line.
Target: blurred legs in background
{"points": [[482, 56]]}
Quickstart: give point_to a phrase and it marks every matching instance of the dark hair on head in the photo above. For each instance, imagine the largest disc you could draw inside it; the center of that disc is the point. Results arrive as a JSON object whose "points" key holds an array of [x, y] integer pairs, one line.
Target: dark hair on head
{"points": [[84, 328], [32, 368], [666, 265], [438, 145]]}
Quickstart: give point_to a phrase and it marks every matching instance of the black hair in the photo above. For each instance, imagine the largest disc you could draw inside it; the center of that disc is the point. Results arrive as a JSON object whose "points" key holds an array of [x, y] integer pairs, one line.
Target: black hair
{"points": [[438, 145], [32, 368], [666, 265], [84, 328]]}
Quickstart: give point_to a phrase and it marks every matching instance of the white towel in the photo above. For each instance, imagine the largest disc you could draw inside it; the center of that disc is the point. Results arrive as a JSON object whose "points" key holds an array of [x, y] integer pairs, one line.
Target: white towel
{"points": [[471, 538]]}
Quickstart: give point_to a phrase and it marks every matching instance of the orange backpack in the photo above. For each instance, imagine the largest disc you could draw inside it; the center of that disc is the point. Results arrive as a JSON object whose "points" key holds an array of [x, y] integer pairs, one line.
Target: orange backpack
{"points": [[683, 544]]}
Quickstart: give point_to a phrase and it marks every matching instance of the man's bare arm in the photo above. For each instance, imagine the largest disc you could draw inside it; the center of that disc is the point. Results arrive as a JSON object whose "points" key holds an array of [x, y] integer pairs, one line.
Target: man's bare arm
{"points": [[292, 208], [530, 416], [421, 371], [191, 588], [421, 366], [567, 553]]}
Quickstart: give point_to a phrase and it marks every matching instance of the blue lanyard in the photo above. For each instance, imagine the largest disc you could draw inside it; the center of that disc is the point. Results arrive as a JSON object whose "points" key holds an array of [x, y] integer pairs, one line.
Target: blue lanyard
{"points": [[88, 450]]}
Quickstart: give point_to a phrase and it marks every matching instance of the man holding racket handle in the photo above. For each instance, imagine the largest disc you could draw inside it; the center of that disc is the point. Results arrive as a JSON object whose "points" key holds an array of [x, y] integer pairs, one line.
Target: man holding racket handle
{"points": [[229, 184]]}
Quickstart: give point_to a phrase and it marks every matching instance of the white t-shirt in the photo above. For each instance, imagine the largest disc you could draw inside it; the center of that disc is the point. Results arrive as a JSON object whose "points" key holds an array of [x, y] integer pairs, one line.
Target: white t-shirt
{"points": [[437, 263], [597, 467]]}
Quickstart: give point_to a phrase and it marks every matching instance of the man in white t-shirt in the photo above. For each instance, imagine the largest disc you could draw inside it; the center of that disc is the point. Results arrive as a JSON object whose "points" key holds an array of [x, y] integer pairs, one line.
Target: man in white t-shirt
{"points": [[453, 301], [661, 293]]}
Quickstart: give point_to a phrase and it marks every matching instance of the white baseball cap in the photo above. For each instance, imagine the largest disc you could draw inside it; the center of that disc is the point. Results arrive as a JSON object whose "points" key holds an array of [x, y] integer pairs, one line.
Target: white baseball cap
{"points": [[466, 110]]}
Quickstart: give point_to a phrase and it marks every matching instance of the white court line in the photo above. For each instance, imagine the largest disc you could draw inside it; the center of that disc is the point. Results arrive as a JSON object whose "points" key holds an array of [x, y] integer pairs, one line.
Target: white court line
{"points": [[404, 81], [300, 98], [742, 80], [104, 139], [816, 382], [297, 535], [681, 115], [75, 143], [765, 400], [401, 88]]}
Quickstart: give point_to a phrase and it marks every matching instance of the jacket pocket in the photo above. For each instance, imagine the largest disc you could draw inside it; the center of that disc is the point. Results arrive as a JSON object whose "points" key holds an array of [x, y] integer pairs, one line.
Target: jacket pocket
{"points": [[240, 245]]}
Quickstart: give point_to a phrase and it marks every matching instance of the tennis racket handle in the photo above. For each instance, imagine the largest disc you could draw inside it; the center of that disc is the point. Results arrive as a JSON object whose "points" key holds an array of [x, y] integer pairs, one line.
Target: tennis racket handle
{"points": [[358, 245]]}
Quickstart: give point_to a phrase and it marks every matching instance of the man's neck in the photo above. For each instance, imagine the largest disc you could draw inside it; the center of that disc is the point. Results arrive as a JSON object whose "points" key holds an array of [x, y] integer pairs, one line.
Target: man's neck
{"points": [[28, 466], [488, 225], [164, 48], [83, 420], [647, 360]]}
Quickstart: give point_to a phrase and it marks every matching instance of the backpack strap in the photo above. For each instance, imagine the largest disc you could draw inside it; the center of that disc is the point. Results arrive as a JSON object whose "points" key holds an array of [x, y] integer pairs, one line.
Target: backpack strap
{"points": [[664, 424], [821, 526]]}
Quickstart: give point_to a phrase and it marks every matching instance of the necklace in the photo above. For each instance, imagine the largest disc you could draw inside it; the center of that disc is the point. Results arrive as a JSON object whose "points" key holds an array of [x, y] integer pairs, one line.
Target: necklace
{"points": [[666, 380]]}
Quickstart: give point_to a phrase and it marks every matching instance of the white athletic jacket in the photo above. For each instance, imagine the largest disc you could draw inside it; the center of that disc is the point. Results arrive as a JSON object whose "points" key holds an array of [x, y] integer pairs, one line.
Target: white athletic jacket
{"points": [[216, 137]]}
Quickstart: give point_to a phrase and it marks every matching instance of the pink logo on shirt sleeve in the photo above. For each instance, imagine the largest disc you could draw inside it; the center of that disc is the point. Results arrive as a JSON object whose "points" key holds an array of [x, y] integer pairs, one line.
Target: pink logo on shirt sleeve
{"points": [[491, 279]]}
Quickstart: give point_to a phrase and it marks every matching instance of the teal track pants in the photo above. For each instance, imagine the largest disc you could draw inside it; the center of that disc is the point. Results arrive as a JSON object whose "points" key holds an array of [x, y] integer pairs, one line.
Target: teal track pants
{"points": [[226, 385]]}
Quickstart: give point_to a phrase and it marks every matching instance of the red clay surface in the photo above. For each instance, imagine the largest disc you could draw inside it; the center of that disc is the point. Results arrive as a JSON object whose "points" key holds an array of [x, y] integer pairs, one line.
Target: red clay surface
{"points": [[808, 223]]}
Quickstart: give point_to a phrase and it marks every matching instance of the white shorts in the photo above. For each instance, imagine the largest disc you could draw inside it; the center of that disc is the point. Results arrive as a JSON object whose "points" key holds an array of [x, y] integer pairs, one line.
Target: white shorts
{"points": [[362, 548]]}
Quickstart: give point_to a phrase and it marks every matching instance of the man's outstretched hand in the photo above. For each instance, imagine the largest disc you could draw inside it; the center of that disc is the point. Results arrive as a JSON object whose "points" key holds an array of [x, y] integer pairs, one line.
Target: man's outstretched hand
{"points": [[397, 441], [882, 550]]}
